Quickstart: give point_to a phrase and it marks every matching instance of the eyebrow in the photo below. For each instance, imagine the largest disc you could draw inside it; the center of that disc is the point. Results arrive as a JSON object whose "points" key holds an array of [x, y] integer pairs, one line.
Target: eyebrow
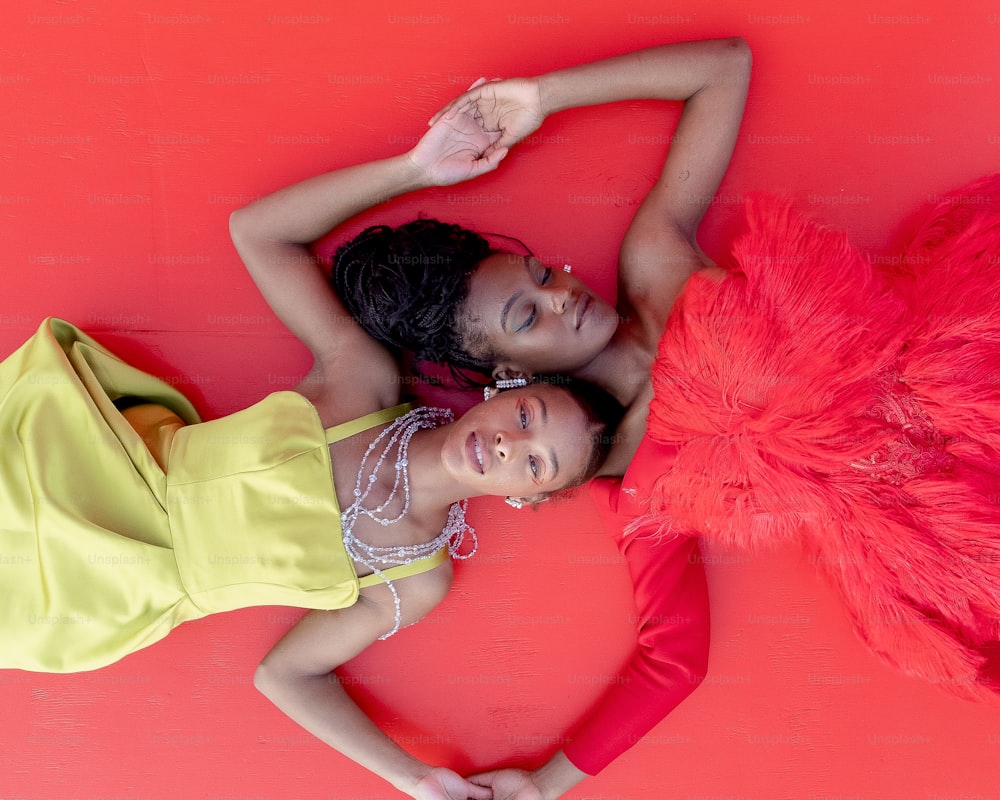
{"points": [[552, 452], [507, 306]]}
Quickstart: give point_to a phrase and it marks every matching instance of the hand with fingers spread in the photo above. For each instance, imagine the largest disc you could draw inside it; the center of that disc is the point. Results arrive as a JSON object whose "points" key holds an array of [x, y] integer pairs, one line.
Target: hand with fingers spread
{"points": [[443, 784], [511, 108], [457, 147]]}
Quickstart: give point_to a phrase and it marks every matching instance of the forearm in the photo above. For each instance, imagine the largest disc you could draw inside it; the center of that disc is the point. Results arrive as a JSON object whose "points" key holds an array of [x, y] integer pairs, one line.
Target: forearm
{"points": [[273, 237], [305, 211], [668, 72], [320, 705], [557, 776], [672, 613]]}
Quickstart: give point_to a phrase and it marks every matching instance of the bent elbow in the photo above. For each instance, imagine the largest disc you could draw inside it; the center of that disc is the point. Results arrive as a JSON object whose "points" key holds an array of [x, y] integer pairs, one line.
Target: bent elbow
{"points": [[740, 54], [681, 650], [237, 224], [697, 666], [264, 679], [739, 45]]}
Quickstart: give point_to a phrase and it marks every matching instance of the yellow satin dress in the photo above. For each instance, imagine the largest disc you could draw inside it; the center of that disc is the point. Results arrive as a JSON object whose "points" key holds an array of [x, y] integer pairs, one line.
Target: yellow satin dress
{"points": [[103, 551]]}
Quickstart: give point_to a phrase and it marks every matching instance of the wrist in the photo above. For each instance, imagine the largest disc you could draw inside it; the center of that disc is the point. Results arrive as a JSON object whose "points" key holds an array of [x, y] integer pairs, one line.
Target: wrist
{"points": [[408, 775], [548, 94], [412, 174], [557, 776]]}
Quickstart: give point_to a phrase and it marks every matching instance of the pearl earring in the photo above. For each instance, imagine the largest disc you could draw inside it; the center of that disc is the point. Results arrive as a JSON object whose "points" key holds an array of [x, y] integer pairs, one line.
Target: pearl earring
{"points": [[513, 503], [567, 268]]}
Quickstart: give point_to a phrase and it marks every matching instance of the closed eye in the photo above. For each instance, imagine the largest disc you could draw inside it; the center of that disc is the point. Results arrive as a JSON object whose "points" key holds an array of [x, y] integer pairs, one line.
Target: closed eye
{"points": [[541, 275], [529, 320]]}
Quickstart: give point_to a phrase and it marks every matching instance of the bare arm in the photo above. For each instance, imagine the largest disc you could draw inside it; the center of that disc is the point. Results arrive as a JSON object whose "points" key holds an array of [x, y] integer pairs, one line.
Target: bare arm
{"points": [[273, 235], [660, 250], [711, 78], [296, 676]]}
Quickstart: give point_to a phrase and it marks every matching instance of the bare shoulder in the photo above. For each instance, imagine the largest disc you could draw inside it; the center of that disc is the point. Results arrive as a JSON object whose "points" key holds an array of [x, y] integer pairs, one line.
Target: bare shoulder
{"points": [[341, 393], [418, 594], [654, 267]]}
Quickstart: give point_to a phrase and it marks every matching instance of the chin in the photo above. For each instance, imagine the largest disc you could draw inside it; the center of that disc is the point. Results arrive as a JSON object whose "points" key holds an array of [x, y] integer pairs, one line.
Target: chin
{"points": [[598, 341], [453, 456]]}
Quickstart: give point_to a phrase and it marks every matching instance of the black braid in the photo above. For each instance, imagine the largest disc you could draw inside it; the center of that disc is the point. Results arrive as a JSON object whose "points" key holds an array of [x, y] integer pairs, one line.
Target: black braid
{"points": [[406, 287]]}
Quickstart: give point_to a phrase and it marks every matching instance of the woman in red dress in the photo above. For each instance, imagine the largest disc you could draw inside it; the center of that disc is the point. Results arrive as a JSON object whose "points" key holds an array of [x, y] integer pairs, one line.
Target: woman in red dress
{"points": [[448, 295], [795, 392]]}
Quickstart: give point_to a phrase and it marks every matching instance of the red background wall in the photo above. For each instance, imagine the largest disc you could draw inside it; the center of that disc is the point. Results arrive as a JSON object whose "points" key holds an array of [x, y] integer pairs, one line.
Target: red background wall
{"points": [[132, 129]]}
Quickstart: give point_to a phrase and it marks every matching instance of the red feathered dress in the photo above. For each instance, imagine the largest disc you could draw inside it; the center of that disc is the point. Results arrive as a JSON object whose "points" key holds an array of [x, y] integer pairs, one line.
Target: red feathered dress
{"points": [[854, 407]]}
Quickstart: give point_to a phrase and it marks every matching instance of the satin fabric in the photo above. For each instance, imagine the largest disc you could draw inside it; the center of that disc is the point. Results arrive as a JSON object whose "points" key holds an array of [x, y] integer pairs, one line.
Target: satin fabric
{"points": [[672, 619], [103, 552]]}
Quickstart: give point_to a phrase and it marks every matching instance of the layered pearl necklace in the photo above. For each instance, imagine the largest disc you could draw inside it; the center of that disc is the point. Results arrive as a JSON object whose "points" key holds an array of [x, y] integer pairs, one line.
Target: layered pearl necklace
{"points": [[396, 436]]}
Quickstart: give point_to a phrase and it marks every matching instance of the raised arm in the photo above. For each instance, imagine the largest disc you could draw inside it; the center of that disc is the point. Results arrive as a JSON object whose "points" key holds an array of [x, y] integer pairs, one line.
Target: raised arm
{"points": [[273, 237], [711, 78], [296, 676], [660, 250]]}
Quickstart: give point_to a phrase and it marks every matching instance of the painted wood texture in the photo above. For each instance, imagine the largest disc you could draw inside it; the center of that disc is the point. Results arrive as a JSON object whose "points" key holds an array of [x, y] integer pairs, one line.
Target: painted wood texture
{"points": [[132, 129]]}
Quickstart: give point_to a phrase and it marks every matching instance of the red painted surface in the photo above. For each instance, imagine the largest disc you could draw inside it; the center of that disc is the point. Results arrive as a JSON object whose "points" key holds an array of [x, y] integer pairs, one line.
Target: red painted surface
{"points": [[130, 132]]}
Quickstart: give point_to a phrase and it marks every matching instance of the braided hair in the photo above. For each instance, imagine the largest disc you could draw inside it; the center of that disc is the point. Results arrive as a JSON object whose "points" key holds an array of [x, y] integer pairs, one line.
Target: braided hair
{"points": [[406, 287]]}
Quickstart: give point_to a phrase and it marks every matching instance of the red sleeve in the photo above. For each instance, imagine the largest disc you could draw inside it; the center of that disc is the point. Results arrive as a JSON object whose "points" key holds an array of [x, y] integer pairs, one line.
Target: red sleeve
{"points": [[671, 655]]}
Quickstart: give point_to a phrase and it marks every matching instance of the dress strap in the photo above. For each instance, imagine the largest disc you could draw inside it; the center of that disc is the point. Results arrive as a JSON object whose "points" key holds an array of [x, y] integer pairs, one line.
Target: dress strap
{"points": [[425, 564], [347, 429]]}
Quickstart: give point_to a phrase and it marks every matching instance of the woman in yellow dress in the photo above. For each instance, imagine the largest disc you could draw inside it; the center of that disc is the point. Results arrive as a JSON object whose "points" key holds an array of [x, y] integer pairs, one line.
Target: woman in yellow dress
{"points": [[124, 515]]}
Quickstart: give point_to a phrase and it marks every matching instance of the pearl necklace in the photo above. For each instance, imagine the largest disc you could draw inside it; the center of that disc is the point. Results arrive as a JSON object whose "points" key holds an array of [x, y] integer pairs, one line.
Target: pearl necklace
{"points": [[397, 437]]}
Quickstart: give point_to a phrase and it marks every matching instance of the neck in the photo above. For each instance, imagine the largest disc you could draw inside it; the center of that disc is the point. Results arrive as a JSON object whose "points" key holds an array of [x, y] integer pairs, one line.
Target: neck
{"points": [[615, 370], [430, 484]]}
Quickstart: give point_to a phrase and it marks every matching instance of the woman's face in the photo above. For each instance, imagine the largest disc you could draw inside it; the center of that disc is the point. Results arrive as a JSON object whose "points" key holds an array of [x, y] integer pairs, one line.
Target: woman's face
{"points": [[520, 443], [536, 318]]}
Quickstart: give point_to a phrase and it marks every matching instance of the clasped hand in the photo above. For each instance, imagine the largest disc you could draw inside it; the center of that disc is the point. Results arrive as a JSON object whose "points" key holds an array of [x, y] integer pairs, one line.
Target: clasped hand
{"points": [[511, 108], [471, 135], [501, 784]]}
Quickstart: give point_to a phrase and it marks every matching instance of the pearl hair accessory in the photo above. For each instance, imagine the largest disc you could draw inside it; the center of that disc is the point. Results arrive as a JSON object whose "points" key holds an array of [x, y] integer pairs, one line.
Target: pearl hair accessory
{"points": [[513, 503], [503, 383], [397, 436], [567, 268]]}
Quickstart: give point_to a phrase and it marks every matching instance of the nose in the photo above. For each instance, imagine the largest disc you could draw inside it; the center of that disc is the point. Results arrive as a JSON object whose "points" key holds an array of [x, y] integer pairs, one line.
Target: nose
{"points": [[508, 443], [559, 298]]}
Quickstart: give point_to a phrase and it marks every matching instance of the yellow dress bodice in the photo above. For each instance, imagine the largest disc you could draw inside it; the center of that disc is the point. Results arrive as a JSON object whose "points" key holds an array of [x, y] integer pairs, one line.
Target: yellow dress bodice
{"points": [[103, 551]]}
